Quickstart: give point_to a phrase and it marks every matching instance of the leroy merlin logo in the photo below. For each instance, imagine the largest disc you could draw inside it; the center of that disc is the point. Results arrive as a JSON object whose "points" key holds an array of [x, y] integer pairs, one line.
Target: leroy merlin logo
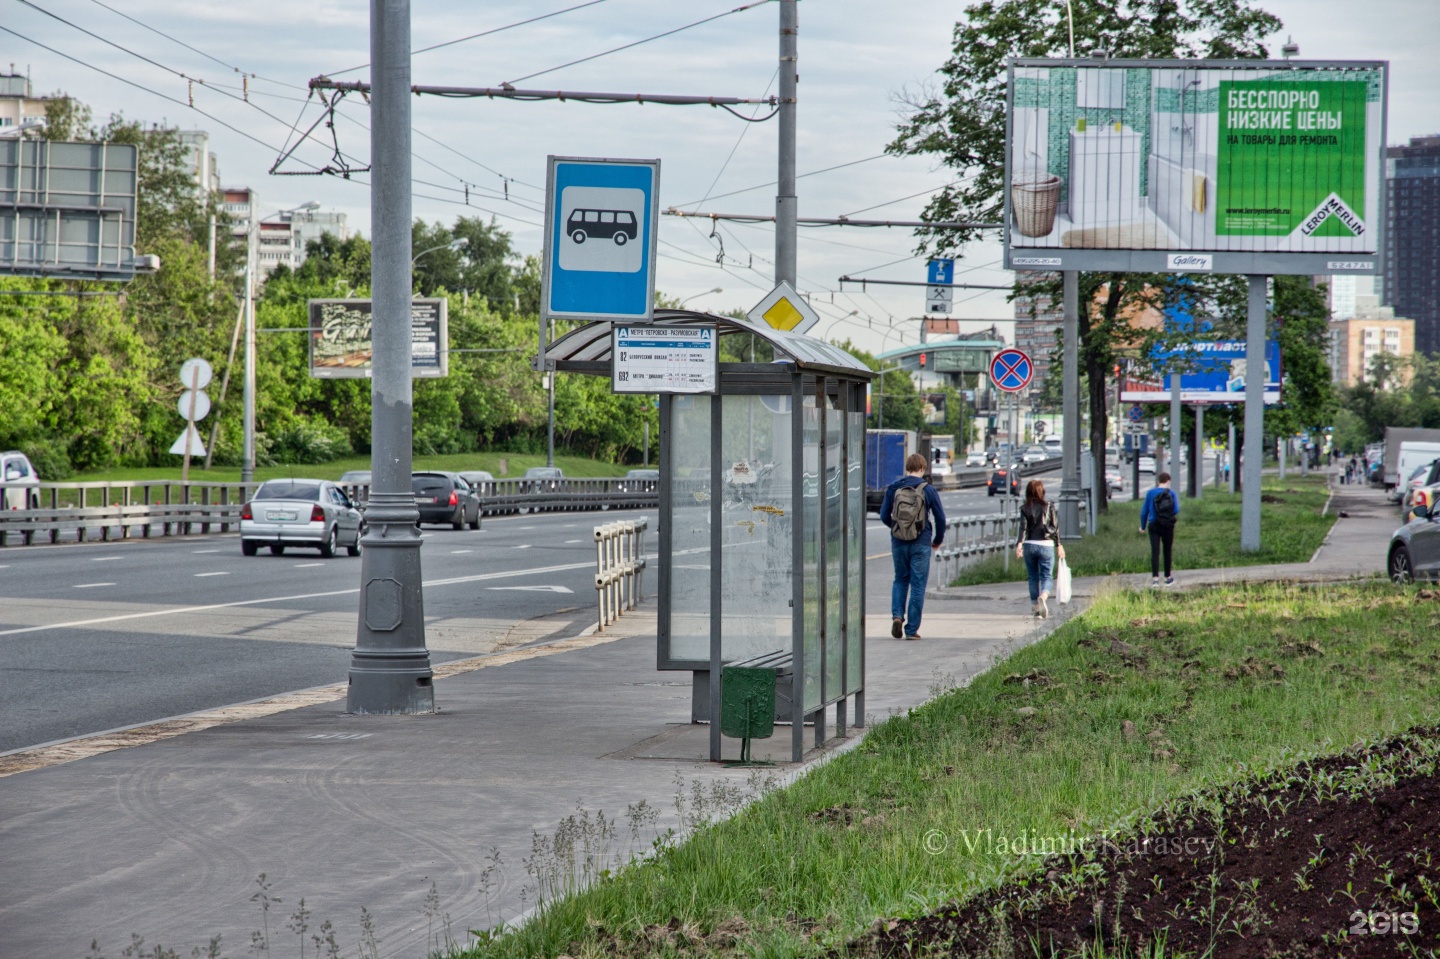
{"points": [[1331, 206]]}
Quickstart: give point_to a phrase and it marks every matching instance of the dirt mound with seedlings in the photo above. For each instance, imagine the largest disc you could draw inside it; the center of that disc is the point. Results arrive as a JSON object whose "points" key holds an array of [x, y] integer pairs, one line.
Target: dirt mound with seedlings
{"points": [[1338, 856]]}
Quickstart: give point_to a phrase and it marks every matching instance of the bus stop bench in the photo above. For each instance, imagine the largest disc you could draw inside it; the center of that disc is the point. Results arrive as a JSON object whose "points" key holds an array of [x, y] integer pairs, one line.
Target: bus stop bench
{"points": [[782, 663]]}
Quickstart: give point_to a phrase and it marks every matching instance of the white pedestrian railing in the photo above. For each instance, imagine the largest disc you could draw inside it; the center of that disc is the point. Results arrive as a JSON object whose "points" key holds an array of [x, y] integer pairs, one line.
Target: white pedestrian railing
{"points": [[619, 564], [969, 539]]}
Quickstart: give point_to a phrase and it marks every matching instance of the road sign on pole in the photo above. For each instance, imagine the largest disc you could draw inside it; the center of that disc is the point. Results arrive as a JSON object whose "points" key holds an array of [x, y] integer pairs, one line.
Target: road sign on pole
{"points": [[1011, 370], [1136, 414], [938, 295], [784, 309], [600, 231]]}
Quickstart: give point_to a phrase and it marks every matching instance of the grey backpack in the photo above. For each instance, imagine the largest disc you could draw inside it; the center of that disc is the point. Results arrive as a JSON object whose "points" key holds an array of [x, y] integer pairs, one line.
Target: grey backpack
{"points": [[907, 515]]}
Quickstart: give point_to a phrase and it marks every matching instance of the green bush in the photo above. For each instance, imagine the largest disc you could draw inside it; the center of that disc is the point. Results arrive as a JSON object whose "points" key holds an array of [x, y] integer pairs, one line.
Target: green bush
{"points": [[307, 441]]}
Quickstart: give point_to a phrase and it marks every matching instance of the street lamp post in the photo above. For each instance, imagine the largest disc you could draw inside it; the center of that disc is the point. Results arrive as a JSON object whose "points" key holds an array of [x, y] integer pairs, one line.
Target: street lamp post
{"points": [[698, 295], [390, 666]]}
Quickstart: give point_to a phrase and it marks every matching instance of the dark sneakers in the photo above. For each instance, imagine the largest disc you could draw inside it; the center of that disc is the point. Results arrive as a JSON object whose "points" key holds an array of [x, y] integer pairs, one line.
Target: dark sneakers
{"points": [[896, 627]]}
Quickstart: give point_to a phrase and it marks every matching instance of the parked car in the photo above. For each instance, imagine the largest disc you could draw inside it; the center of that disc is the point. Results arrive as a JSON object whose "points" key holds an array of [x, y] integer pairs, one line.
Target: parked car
{"points": [[1415, 548], [309, 513], [640, 481], [443, 497], [998, 480], [1427, 475], [19, 483], [976, 458]]}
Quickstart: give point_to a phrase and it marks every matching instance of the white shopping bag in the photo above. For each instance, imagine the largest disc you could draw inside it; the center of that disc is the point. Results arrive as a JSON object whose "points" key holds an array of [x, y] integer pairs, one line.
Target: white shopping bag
{"points": [[1062, 582]]}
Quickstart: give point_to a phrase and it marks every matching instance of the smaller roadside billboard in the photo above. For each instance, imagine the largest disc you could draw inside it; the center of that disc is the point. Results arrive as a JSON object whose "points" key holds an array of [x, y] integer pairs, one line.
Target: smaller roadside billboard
{"points": [[340, 346], [1210, 373]]}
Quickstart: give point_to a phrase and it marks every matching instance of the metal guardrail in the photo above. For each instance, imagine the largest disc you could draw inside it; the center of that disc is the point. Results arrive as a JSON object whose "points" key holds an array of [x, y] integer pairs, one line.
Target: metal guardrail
{"points": [[128, 509], [619, 567], [124, 510]]}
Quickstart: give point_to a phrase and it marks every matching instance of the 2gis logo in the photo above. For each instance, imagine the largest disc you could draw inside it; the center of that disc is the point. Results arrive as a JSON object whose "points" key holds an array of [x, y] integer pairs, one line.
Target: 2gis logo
{"points": [[1383, 923]]}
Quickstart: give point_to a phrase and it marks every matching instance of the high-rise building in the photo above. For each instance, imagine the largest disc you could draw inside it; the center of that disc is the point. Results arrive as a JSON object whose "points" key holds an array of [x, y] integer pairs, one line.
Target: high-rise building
{"points": [[1371, 330], [19, 108], [1412, 252], [1038, 322]]}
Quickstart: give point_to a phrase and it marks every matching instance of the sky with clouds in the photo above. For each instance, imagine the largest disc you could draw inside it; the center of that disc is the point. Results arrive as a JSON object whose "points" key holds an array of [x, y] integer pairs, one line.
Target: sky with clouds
{"points": [[857, 61]]}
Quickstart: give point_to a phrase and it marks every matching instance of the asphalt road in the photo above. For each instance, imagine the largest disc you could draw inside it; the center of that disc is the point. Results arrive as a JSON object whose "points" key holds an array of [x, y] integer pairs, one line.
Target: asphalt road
{"points": [[98, 636]]}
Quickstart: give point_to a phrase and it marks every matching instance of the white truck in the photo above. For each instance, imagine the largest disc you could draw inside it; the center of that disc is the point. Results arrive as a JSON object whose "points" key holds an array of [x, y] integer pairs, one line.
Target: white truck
{"points": [[1416, 446]]}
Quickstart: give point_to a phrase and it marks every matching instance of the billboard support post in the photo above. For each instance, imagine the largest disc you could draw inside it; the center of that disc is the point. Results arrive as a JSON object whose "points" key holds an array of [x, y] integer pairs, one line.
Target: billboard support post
{"points": [[247, 401], [1177, 413], [1254, 416], [1197, 485], [390, 665], [786, 205], [1070, 403]]}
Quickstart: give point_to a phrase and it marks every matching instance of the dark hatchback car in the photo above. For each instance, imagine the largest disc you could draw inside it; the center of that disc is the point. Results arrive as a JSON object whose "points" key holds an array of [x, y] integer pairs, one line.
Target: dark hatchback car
{"points": [[445, 498], [998, 480]]}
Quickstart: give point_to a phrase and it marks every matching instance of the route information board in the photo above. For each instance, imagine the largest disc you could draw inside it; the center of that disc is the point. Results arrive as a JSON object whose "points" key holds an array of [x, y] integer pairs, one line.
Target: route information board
{"points": [[664, 359]]}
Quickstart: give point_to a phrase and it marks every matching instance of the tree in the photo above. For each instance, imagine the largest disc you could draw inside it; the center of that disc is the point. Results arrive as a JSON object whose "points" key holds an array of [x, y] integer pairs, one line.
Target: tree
{"points": [[485, 266], [963, 125]]}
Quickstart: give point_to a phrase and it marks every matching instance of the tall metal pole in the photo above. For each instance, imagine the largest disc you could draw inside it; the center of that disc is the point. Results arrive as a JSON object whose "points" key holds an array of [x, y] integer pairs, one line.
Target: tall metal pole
{"points": [[390, 666], [1254, 455], [247, 405], [550, 426], [1232, 475], [1199, 489], [786, 207], [1177, 413], [1070, 411]]}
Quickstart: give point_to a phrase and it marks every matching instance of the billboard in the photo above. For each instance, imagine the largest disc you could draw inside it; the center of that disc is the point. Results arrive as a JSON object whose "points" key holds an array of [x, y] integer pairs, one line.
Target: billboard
{"points": [[1211, 372], [1255, 167], [67, 210], [340, 338]]}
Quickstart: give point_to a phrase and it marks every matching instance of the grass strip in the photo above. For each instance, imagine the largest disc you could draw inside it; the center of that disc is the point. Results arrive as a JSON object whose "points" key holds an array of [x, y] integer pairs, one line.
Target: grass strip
{"points": [[1207, 535], [1142, 699]]}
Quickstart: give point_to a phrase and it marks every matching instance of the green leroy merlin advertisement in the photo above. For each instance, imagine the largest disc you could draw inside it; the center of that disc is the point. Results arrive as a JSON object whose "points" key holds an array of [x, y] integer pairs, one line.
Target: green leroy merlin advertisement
{"points": [[1291, 159]]}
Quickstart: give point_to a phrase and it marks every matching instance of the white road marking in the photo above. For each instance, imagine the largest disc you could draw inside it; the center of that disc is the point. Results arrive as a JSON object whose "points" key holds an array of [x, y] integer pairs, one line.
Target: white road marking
{"points": [[570, 542], [456, 552], [105, 559], [175, 610], [221, 573], [523, 546], [532, 589], [5, 566], [524, 527], [204, 551], [307, 565], [91, 585]]}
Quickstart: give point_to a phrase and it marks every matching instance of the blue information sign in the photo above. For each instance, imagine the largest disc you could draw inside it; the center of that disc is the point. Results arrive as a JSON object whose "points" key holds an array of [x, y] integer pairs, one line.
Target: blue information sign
{"points": [[940, 271], [601, 219], [1136, 414], [1011, 370]]}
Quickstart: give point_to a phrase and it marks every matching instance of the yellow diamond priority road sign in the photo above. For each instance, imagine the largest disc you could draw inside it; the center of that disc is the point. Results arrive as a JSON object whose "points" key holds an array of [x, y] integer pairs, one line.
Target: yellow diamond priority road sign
{"points": [[784, 309]]}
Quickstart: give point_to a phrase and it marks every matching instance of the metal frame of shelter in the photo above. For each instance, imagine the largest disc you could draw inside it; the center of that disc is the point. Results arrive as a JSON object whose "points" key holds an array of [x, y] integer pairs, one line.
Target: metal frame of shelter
{"points": [[762, 519]]}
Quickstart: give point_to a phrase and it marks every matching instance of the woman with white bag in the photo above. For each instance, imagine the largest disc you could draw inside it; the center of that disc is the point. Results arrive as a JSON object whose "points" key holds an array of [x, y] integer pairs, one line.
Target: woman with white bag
{"points": [[1039, 545]]}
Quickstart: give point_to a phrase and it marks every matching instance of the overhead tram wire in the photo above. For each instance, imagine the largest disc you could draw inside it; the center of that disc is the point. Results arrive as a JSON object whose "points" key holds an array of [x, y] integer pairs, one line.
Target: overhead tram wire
{"points": [[482, 33], [636, 43], [142, 87], [231, 66]]}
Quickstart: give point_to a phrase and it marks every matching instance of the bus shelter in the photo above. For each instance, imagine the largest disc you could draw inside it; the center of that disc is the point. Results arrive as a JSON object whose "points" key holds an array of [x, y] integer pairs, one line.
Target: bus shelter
{"points": [[762, 518]]}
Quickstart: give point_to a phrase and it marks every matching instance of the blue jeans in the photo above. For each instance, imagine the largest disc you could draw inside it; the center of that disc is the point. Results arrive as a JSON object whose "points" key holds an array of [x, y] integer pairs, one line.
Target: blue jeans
{"points": [[912, 572], [1040, 567]]}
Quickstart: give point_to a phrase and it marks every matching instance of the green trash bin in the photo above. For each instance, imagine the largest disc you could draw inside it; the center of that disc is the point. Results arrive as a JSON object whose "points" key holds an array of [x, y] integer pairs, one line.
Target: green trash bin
{"points": [[747, 706]]}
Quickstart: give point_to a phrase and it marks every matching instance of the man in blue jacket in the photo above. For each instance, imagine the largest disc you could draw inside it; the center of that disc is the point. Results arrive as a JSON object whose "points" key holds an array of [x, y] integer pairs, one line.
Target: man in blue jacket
{"points": [[1158, 514], [908, 507]]}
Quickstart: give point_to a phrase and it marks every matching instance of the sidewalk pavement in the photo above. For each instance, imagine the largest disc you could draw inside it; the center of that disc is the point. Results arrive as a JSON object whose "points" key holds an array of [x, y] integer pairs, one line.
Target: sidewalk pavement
{"points": [[166, 839]]}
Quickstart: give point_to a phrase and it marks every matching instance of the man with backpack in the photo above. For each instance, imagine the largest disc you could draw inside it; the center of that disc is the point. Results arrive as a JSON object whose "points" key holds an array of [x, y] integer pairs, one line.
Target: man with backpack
{"points": [[909, 504], [1158, 513]]}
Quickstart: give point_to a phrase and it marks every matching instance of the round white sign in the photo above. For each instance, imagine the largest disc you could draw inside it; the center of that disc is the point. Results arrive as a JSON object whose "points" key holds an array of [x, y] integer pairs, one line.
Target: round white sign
{"points": [[202, 404], [195, 374]]}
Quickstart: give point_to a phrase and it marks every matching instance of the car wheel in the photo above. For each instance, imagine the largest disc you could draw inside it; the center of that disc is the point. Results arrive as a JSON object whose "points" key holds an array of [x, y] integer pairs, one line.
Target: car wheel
{"points": [[249, 547], [277, 549], [578, 236], [620, 239], [354, 548], [459, 522], [475, 523], [990, 492], [327, 548], [1401, 569]]}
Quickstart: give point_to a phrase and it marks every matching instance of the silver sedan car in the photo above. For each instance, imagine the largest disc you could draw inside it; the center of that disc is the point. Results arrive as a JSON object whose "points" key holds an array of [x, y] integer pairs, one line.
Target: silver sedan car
{"points": [[310, 513], [1415, 547]]}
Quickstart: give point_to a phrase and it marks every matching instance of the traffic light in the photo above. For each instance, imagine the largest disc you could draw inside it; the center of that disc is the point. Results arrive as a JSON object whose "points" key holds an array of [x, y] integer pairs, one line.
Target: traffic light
{"points": [[922, 361]]}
